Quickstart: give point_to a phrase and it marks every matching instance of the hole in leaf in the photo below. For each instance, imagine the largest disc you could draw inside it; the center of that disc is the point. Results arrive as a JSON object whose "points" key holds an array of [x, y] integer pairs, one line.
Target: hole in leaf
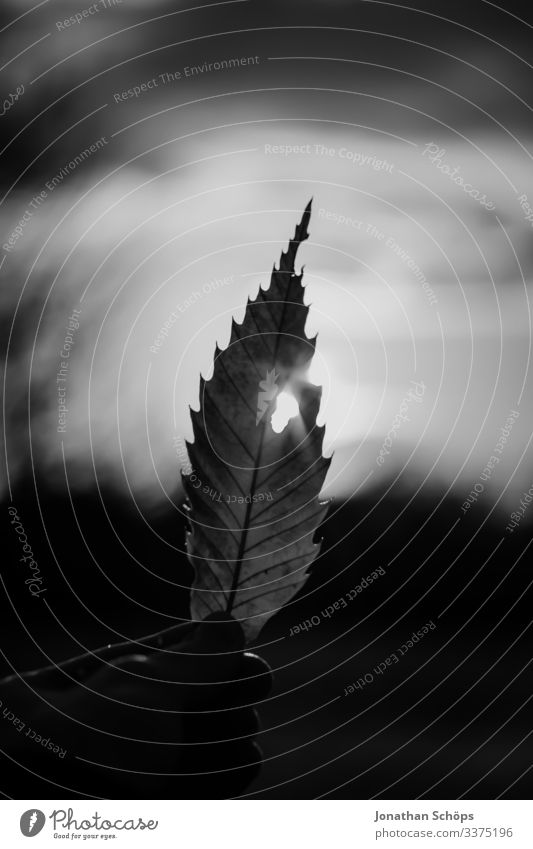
{"points": [[286, 408]]}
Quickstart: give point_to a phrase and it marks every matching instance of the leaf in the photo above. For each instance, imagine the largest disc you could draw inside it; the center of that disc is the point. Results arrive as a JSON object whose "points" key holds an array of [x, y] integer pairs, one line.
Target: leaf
{"points": [[253, 493]]}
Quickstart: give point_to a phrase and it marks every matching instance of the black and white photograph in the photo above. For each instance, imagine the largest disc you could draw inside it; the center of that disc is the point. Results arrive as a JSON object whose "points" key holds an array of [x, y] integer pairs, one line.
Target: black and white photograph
{"points": [[266, 285]]}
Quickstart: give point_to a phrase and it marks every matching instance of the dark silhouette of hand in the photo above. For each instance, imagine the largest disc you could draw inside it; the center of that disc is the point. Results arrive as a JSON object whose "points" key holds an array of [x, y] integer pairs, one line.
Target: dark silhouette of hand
{"points": [[168, 716]]}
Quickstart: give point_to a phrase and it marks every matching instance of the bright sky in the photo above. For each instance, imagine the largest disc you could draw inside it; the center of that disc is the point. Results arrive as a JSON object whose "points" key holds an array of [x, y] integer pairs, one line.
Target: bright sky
{"points": [[198, 239]]}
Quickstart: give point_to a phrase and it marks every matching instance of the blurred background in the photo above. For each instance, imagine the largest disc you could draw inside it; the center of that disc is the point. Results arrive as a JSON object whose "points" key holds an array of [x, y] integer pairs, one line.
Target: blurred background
{"points": [[156, 157]]}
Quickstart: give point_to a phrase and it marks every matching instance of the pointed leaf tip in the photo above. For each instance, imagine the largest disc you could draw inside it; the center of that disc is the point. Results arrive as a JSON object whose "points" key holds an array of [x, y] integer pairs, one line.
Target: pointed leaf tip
{"points": [[301, 233]]}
